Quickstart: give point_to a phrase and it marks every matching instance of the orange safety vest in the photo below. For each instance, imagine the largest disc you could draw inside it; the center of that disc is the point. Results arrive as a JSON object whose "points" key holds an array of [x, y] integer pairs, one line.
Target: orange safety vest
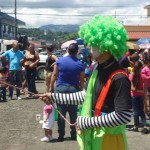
{"points": [[105, 89]]}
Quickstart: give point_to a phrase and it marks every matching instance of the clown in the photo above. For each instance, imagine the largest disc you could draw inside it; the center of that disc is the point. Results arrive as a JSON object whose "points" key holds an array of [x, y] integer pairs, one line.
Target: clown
{"points": [[106, 100]]}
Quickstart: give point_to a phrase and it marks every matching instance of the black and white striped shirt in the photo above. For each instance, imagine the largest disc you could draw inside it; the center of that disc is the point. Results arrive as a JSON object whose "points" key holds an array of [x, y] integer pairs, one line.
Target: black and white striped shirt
{"points": [[112, 119], [109, 120], [70, 98]]}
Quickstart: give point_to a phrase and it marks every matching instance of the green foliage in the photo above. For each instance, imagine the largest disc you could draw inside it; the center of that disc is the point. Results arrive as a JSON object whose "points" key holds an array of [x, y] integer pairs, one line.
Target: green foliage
{"points": [[51, 36], [71, 36]]}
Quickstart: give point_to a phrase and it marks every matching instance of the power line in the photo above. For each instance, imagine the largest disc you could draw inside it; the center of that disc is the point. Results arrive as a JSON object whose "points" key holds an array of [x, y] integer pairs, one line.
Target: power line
{"points": [[76, 6], [77, 15]]}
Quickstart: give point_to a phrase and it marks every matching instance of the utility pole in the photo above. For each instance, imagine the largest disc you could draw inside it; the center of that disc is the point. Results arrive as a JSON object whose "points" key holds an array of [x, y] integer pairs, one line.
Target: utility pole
{"points": [[15, 21], [115, 13]]}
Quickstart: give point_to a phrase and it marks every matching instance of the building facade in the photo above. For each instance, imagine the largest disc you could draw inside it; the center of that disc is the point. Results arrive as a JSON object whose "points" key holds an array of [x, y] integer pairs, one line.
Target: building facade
{"points": [[7, 26], [136, 32]]}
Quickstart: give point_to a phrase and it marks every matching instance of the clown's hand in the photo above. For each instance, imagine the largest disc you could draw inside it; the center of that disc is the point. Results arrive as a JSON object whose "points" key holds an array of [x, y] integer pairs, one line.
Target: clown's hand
{"points": [[44, 96], [77, 129]]}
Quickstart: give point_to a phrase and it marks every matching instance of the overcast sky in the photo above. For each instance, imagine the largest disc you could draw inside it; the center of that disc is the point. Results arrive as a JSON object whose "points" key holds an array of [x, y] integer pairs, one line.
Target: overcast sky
{"points": [[36, 13]]}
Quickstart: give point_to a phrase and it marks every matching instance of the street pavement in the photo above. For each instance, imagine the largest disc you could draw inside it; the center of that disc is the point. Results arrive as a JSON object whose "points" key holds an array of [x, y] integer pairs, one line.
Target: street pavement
{"points": [[20, 129]]}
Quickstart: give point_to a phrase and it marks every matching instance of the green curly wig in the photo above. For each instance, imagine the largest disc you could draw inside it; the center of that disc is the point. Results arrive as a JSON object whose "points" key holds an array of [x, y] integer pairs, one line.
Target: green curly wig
{"points": [[107, 33]]}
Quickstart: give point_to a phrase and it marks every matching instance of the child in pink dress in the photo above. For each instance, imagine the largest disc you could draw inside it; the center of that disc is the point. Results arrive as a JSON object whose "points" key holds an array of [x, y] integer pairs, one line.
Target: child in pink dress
{"points": [[48, 121]]}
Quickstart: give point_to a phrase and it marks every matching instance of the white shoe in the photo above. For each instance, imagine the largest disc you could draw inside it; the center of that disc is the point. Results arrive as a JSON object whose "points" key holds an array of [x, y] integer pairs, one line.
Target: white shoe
{"points": [[28, 96], [9, 98], [45, 139], [19, 98]]}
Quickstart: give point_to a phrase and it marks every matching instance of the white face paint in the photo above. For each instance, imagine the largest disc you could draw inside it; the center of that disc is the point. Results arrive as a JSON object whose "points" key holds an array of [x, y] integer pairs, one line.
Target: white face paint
{"points": [[95, 52]]}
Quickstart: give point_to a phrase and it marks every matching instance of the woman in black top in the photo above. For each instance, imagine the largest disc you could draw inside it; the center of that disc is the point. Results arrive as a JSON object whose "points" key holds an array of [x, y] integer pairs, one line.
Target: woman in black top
{"points": [[51, 59]]}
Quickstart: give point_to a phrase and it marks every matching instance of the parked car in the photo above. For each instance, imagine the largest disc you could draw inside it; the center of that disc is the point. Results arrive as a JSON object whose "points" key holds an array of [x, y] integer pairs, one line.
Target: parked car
{"points": [[41, 65], [5, 45]]}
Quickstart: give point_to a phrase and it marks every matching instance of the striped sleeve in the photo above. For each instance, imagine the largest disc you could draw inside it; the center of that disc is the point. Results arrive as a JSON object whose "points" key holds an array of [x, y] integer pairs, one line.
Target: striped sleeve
{"points": [[109, 120], [76, 98]]}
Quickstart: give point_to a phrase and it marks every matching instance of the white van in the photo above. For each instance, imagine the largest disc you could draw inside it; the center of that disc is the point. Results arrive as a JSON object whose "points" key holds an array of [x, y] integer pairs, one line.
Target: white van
{"points": [[5, 45]]}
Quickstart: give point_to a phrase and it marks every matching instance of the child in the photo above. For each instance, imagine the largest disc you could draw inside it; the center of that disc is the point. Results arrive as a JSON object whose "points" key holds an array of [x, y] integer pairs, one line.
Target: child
{"points": [[48, 120], [88, 67], [3, 79]]}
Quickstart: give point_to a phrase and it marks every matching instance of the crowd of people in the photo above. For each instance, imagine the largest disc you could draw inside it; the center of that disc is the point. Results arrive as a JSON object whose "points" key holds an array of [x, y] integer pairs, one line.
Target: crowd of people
{"points": [[18, 70], [137, 66], [110, 86]]}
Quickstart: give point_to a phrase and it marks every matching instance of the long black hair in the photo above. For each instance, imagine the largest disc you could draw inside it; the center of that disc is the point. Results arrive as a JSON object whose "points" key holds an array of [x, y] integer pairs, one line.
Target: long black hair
{"points": [[137, 71], [146, 57], [50, 47]]}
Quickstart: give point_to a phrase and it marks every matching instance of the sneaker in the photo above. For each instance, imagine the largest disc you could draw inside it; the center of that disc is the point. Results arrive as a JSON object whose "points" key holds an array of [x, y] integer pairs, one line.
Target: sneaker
{"points": [[134, 129], [73, 138], [35, 97], [145, 130], [4, 100], [50, 138], [28, 96], [19, 98], [36, 92], [9, 98], [60, 139], [45, 139]]}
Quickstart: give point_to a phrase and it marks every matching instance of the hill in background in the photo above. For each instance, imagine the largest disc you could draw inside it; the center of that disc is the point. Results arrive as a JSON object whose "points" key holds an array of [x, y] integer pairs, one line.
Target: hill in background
{"points": [[63, 28]]}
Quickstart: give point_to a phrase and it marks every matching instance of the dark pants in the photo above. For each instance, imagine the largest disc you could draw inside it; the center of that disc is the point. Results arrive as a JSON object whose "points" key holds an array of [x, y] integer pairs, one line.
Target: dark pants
{"points": [[30, 75], [14, 79], [148, 91], [3, 93], [138, 109], [64, 108]]}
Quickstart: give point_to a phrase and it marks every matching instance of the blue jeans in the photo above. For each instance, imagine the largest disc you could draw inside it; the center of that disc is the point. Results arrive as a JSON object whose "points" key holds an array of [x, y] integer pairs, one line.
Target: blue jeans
{"points": [[64, 108], [138, 110], [30, 75], [15, 80]]}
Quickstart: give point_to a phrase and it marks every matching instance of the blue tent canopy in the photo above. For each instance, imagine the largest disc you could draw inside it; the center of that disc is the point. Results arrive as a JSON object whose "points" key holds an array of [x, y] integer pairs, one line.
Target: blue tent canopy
{"points": [[143, 41], [80, 41]]}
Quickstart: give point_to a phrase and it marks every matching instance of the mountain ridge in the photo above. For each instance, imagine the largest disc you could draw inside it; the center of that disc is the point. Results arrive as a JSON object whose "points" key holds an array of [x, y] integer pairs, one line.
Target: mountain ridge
{"points": [[63, 28]]}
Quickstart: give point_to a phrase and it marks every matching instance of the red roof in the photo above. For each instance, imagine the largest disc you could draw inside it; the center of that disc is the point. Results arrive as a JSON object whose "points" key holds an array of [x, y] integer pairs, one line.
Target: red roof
{"points": [[137, 32], [137, 35]]}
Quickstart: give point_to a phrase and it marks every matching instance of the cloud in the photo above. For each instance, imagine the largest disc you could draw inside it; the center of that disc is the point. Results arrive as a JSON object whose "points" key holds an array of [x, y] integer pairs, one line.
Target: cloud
{"points": [[42, 12]]}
